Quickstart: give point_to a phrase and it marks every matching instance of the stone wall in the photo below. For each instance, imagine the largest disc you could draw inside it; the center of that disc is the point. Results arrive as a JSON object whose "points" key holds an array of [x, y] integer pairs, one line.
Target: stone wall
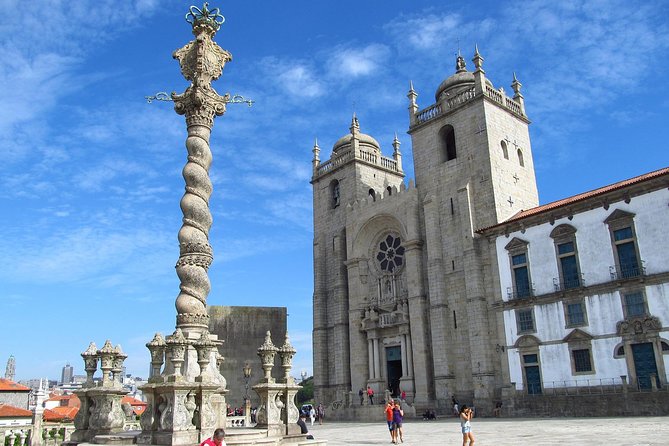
{"points": [[243, 330], [16, 399], [612, 405]]}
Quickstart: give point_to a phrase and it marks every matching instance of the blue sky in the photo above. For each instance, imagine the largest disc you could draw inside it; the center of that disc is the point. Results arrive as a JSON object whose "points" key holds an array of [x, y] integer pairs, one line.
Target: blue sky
{"points": [[90, 181]]}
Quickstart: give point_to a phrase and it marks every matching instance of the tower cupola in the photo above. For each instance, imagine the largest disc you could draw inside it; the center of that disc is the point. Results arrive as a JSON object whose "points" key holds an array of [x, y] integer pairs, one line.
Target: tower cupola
{"points": [[354, 138]]}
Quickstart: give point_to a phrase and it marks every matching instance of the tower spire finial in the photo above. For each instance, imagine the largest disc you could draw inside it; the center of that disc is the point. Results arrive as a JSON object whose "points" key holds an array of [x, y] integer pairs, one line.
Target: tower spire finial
{"points": [[478, 59]]}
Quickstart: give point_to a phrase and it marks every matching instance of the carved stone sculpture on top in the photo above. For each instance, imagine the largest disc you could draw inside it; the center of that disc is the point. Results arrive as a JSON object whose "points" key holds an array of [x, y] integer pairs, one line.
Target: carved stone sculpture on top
{"points": [[202, 61]]}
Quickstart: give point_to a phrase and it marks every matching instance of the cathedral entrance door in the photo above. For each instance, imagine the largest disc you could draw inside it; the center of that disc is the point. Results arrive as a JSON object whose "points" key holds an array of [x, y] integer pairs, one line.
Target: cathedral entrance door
{"points": [[394, 369], [644, 364]]}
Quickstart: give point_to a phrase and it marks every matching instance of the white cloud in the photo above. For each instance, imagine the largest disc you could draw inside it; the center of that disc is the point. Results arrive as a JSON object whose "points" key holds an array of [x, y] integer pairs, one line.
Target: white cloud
{"points": [[297, 79], [355, 62]]}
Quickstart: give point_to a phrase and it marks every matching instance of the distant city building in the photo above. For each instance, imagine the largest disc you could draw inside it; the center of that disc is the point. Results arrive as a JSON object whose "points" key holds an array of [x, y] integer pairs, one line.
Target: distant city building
{"points": [[10, 370], [67, 374]]}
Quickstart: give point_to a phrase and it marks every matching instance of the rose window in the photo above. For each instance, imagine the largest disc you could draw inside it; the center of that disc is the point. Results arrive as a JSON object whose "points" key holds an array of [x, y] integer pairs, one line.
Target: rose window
{"points": [[391, 254]]}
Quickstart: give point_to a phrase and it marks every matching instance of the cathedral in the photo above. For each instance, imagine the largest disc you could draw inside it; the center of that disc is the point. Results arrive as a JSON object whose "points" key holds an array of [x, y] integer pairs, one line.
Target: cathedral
{"points": [[447, 287]]}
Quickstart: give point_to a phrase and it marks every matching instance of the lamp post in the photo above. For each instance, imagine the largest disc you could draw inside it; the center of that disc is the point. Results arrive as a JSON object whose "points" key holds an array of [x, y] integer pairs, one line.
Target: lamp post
{"points": [[247, 401], [247, 375]]}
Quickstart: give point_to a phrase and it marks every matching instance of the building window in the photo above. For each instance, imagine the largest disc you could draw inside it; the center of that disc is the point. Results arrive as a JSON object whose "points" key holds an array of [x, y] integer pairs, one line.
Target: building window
{"points": [[505, 150], [623, 237], [564, 237], [389, 190], [580, 351], [665, 347], [447, 138], [620, 352], [520, 272], [582, 362], [521, 161], [525, 321], [521, 275], [575, 314], [372, 194], [634, 304], [626, 252]]}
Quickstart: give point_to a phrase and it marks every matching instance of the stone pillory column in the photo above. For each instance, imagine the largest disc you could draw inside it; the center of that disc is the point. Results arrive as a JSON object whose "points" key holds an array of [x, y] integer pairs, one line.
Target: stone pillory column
{"points": [[202, 61], [186, 392]]}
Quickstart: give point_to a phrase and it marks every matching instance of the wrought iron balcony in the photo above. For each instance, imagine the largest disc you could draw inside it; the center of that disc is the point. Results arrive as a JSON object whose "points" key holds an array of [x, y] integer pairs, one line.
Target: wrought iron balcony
{"points": [[513, 293], [627, 271], [568, 284]]}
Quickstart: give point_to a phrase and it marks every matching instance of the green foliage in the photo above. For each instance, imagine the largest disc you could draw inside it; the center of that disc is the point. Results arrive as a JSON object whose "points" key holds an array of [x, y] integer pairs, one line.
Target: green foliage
{"points": [[306, 393]]}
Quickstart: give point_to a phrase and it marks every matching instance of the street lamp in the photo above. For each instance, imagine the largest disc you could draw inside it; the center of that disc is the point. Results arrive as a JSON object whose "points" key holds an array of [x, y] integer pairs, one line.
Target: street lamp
{"points": [[247, 376]]}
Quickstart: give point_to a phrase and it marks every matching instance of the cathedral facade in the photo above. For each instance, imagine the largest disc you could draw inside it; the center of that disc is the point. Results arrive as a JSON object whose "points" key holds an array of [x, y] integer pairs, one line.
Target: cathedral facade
{"points": [[407, 279]]}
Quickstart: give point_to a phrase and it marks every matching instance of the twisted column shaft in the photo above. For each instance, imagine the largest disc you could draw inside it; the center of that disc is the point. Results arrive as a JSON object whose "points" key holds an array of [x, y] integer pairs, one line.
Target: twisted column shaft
{"points": [[202, 61]]}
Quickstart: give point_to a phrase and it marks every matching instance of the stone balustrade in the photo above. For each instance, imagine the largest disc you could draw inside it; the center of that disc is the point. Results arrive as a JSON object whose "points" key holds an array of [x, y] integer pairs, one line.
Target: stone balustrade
{"points": [[235, 421], [455, 101], [367, 156]]}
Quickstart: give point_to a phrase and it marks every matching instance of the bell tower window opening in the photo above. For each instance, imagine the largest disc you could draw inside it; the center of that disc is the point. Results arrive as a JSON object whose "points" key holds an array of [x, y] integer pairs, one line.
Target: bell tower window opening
{"points": [[505, 150], [447, 141], [372, 194], [390, 190], [521, 161], [335, 193]]}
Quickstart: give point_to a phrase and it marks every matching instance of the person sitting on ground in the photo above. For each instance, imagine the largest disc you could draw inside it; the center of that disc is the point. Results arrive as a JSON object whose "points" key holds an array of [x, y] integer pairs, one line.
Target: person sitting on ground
{"points": [[218, 439], [303, 426], [429, 415]]}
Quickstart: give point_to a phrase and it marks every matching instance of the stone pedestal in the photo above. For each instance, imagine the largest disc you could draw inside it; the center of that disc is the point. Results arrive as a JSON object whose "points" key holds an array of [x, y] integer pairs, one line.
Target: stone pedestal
{"points": [[100, 413], [179, 413], [186, 402]]}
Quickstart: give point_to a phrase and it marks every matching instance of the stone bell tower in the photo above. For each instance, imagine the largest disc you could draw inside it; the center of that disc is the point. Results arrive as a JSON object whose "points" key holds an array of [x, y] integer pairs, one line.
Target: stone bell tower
{"points": [[356, 171], [474, 168]]}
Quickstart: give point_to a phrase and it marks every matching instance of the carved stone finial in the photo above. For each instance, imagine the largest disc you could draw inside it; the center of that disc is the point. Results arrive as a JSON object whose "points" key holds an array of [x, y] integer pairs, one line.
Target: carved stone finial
{"points": [[396, 144], [204, 347], [516, 85], [205, 17], [267, 351], [107, 354], [478, 59], [286, 353], [90, 356], [176, 345], [157, 350]]}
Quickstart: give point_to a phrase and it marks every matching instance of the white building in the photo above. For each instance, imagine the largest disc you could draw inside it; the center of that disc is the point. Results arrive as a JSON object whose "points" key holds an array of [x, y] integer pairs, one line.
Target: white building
{"points": [[584, 286]]}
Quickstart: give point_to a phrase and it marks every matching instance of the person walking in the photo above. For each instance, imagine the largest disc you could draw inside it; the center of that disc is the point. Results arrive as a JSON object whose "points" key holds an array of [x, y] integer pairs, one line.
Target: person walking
{"points": [[370, 394], [389, 420], [361, 394], [218, 439], [312, 415], [466, 416], [456, 406], [398, 417], [320, 411]]}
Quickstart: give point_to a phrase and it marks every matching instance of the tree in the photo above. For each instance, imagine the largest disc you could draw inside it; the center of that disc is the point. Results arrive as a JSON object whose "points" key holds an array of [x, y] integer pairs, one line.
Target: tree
{"points": [[306, 393]]}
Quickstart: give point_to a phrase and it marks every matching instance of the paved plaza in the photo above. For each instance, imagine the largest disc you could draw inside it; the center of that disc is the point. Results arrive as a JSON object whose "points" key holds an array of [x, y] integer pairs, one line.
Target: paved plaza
{"points": [[633, 431]]}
